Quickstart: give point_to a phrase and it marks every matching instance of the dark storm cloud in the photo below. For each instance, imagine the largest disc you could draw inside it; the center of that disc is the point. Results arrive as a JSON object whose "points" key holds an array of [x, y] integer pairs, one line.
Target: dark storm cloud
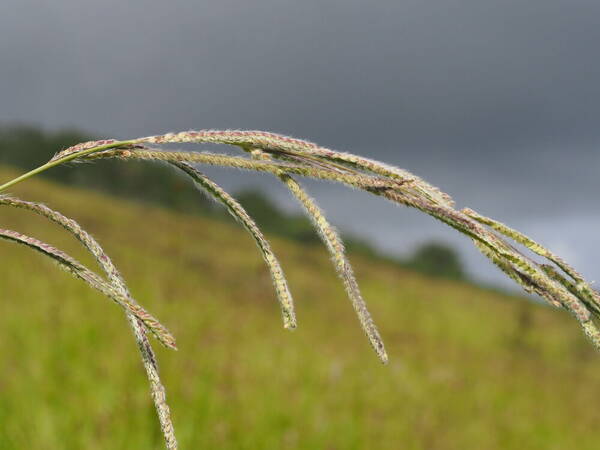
{"points": [[496, 102]]}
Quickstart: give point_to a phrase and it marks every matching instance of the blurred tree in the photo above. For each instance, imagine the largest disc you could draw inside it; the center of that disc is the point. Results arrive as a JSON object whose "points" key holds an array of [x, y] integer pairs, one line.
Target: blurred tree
{"points": [[437, 259]]}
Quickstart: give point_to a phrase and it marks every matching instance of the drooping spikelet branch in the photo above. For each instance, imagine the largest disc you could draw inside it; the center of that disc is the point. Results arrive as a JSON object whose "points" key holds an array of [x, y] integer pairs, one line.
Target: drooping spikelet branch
{"points": [[526, 241], [239, 213], [118, 287], [137, 317], [70, 265], [580, 284], [412, 192], [505, 266], [335, 246], [497, 250], [572, 287], [546, 282]]}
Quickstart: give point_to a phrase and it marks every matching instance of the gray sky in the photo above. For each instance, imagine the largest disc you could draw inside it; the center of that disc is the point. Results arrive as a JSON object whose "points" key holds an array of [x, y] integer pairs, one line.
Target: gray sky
{"points": [[498, 103]]}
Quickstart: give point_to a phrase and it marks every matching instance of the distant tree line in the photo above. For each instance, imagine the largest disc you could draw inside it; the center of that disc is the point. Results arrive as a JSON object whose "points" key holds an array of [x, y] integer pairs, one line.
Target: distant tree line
{"points": [[27, 146]]}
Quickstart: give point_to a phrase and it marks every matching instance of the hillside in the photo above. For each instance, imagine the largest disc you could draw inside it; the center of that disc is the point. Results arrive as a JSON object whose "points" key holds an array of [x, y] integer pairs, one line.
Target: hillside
{"points": [[469, 368]]}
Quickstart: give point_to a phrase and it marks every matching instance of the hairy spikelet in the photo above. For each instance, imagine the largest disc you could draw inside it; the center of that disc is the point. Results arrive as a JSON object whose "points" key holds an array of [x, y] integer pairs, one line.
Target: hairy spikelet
{"points": [[335, 246], [591, 331], [526, 241], [79, 147], [580, 284], [357, 180], [275, 143], [506, 267], [411, 182], [593, 304], [239, 213], [78, 152]]}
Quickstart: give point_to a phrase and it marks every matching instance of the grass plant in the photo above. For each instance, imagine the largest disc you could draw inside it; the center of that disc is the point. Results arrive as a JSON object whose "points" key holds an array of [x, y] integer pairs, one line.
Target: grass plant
{"points": [[286, 158]]}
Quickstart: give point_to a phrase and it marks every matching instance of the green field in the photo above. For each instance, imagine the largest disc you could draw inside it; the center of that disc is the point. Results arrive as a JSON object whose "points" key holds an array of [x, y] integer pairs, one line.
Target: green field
{"points": [[469, 368]]}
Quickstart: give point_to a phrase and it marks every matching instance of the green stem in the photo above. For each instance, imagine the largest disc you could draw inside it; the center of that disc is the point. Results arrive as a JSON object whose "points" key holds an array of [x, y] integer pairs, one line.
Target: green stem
{"points": [[63, 160]]}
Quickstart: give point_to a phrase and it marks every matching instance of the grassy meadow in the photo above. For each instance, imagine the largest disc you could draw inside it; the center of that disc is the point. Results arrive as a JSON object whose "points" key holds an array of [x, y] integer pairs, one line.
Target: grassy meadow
{"points": [[469, 368]]}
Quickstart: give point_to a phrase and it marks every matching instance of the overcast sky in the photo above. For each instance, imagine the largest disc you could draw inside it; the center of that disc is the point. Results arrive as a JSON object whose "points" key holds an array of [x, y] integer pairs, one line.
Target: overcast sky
{"points": [[496, 102]]}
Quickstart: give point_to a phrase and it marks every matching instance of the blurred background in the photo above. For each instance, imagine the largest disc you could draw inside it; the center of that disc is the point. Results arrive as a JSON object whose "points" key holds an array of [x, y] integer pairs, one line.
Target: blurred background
{"points": [[497, 103]]}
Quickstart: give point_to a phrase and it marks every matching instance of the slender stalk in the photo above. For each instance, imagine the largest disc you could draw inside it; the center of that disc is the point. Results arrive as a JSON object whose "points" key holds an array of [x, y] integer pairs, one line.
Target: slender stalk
{"points": [[157, 390], [68, 157]]}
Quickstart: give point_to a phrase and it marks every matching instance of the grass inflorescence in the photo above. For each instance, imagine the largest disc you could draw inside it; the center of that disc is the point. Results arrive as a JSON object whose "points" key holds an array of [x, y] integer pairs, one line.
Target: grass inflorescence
{"points": [[286, 158]]}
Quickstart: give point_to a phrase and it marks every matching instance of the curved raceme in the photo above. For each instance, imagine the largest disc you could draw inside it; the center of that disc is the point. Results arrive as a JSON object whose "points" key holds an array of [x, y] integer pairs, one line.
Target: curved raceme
{"points": [[286, 158]]}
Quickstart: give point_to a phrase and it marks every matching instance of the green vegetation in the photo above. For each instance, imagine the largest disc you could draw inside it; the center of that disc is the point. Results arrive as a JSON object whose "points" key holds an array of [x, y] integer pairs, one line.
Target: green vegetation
{"points": [[438, 260], [468, 368]]}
